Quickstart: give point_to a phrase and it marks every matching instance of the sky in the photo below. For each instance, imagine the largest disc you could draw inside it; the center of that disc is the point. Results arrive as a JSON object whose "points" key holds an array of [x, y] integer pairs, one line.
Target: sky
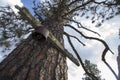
{"points": [[93, 50]]}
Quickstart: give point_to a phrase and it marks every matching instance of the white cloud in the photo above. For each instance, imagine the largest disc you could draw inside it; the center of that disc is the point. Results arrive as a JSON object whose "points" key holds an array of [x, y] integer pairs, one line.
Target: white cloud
{"points": [[74, 72], [12, 3], [105, 72]]}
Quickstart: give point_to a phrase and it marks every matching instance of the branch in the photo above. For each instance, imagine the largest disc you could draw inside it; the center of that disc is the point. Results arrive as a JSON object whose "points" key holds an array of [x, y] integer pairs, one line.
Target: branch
{"points": [[105, 3], [38, 15], [79, 58], [4, 11], [75, 38], [103, 42], [104, 52], [73, 2], [77, 8], [81, 26]]}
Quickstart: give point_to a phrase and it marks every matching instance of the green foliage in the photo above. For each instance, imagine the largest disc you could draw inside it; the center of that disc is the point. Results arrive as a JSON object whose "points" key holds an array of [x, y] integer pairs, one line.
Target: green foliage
{"points": [[91, 68], [12, 26], [118, 2]]}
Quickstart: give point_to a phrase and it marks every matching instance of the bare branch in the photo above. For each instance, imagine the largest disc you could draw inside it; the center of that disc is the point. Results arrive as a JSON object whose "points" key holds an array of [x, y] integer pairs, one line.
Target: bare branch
{"points": [[77, 8], [73, 2], [81, 26], [105, 3], [103, 42], [104, 52], [75, 38], [79, 58]]}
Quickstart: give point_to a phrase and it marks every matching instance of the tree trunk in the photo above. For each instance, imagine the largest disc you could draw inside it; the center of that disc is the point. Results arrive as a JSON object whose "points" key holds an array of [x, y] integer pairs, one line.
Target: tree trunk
{"points": [[118, 60], [36, 60]]}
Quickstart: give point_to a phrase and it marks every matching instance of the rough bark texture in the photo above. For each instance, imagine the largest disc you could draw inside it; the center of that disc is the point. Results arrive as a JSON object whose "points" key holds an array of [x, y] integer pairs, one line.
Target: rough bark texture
{"points": [[118, 60], [36, 60]]}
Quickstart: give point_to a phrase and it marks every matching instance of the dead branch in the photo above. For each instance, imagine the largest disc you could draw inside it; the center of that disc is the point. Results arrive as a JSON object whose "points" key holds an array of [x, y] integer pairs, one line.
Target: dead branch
{"points": [[73, 2], [103, 42], [105, 3], [77, 8], [103, 59], [79, 24], [75, 38], [79, 58]]}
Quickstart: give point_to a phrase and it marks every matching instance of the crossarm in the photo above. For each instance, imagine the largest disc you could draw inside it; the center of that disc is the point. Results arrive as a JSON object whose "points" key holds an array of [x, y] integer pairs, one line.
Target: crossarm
{"points": [[26, 15]]}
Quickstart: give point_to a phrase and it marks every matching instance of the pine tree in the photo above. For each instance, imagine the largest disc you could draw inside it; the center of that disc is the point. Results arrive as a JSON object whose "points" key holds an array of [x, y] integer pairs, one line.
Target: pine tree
{"points": [[92, 68], [35, 59]]}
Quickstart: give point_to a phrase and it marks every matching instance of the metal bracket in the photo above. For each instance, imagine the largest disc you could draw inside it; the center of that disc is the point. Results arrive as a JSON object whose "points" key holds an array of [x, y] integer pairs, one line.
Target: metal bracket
{"points": [[40, 34]]}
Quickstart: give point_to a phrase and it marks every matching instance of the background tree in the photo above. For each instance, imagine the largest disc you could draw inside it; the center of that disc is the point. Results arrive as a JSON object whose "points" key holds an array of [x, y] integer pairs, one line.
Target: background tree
{"points": [[36, 60], [92, 68]]}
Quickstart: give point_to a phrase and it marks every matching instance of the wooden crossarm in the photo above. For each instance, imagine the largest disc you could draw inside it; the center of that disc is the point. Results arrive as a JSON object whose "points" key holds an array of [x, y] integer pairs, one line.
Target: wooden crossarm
{"points": [[26, 15]]}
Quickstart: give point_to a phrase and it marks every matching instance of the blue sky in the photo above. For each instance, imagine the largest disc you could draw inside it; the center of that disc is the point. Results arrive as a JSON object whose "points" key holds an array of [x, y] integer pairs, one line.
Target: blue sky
{"points": [[28, 4], [93, 51]]}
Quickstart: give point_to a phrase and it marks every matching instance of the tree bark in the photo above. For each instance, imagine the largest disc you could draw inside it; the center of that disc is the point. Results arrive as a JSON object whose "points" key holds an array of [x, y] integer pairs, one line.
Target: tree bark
{"points": [[36, 60], [118, 60]]}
